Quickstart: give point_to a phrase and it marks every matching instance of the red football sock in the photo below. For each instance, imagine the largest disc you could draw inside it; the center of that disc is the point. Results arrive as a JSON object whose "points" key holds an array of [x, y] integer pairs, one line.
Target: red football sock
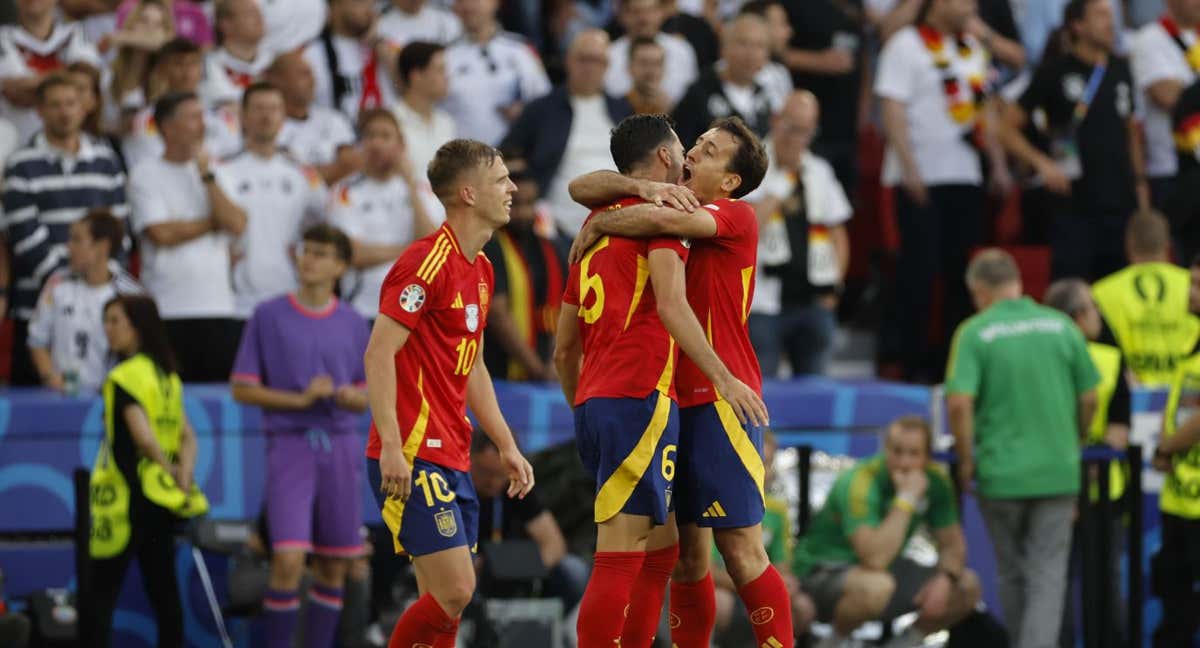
{"points": [[693, 612], [424, 622], [641, 620], [770, 608], [602, 610], [448, 639]]}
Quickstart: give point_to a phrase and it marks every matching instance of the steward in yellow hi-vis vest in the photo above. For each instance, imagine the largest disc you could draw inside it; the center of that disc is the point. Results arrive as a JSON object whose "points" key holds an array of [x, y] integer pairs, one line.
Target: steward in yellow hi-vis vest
{"points": [[1112, 408], [1145, 305], [1175, 569], [141, 485]]}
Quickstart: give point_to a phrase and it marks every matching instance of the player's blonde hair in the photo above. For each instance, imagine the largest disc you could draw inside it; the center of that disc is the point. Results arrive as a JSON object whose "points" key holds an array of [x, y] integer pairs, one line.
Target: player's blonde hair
{"points": [[455, 158]]}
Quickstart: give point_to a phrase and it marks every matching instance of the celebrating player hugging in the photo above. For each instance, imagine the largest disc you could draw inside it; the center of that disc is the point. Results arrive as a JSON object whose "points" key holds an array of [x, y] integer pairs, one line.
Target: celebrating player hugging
{"points": [[623, 388], [421, 375]]}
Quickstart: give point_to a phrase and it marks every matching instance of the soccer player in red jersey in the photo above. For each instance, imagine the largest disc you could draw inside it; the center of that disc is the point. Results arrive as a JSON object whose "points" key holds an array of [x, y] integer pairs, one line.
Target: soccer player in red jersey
{"points": [[625, 307], [421, 375], [719, 479]]}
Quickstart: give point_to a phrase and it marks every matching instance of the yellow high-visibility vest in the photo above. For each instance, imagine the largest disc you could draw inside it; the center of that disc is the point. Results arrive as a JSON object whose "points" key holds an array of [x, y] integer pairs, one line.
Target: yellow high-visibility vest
{"points": [[1180, 494], [1107, 359], [1146, 307]]}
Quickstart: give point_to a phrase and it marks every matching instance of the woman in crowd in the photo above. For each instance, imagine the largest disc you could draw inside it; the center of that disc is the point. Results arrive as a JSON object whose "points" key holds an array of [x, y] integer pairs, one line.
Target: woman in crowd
{"points": [[142, 480]]}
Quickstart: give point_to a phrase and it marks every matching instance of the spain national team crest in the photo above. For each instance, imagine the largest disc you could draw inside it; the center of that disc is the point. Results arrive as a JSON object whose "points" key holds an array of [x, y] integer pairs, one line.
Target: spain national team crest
{"points": [[484, 296], [472, 317], [412, 298], [446, 524]]}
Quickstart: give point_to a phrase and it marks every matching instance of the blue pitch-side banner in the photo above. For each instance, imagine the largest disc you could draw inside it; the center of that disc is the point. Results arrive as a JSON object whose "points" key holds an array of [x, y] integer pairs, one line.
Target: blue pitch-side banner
{"points": [[44, 436]]}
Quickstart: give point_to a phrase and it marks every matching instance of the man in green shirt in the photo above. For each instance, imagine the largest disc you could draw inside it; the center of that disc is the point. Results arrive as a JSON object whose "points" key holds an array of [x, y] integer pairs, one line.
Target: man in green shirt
{"points": [[1020, 381], [849, 561]]}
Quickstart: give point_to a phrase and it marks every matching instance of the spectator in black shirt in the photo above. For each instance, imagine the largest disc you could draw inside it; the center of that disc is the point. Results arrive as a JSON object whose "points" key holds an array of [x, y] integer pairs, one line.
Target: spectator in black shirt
{"points": [[529, 257], [501, 518], [1083, 103], [729, 87], [826, 58]]}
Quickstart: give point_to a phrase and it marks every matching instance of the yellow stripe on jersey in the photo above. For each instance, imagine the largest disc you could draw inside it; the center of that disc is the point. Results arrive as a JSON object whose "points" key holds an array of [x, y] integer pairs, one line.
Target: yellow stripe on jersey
{"points": [[742, 445], [619, 486], [435, 259], [747, 275], [416, 436], [668, 373], [639, 286]]}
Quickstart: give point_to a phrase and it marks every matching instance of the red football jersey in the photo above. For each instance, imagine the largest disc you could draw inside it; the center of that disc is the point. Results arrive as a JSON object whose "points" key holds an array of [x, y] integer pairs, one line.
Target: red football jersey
{"points": [[442, 298], [720, 282], [627, 352]]}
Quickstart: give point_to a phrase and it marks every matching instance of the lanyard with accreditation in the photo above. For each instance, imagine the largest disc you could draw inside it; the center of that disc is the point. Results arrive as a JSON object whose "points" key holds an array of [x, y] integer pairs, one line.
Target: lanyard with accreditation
{"points": [[1065, 147]]}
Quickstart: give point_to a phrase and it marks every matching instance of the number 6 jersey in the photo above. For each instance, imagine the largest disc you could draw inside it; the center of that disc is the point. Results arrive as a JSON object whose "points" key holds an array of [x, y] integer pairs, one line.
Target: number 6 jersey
{"points": [[443, 299], [627, 352]]}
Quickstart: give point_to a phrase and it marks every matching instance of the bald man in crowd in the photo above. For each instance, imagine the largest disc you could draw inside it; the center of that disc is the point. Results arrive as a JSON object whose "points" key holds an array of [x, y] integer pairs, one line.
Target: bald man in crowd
{"points": [[803, 249], [728, 88], [577, 113]]}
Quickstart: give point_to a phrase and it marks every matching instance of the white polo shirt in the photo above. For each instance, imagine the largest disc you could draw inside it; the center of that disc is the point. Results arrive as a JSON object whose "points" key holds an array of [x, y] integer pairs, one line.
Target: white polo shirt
{"points": [[316, 140], [222, 135], [907, 74], [1154, 56], [189, 280], [280, 197], [430, 23], [485, 77], [423, 137], [679, 62]]}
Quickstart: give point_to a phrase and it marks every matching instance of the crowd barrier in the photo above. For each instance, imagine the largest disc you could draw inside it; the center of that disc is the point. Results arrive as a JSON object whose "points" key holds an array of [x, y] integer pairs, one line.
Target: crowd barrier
{"points": [[45, 436]]}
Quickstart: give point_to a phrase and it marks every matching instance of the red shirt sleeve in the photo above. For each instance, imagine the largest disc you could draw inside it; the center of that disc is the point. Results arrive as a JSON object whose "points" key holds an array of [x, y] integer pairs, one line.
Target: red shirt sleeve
{"points": [[571, 294], [405, 291], [679, 246], [734, 218]]}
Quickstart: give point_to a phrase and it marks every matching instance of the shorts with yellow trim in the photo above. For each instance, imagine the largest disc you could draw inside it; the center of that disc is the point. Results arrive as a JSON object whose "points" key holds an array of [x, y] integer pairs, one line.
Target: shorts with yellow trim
{"points": [[628, 445], [720, 469], [442, 511]]}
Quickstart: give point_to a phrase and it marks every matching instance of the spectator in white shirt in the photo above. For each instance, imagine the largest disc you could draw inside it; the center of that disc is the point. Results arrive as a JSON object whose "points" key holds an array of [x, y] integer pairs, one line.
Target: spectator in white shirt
{"points": [[493, 74], [292, 24], [382, 210], [647, 66], [29, 50], [180, 65], [803, 249], [280, 197], [241, 57], [932, 89], [425, 126], [1163, 65], [185, 221], [566, 133], [644, 18], [66, 334], [350, 71], [318, 136], [406, 21]]}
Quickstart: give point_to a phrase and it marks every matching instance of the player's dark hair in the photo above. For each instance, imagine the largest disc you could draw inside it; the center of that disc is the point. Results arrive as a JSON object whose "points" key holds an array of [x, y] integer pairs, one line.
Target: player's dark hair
{"points": [[56, 80], [455, 158], [639, 42], [415, 56], [371, 115], [326, 233], [178, 46], [152, 336], [103, 226], [258, 87], [638, 137], [749, 161], [480, 441], [167, 105]]}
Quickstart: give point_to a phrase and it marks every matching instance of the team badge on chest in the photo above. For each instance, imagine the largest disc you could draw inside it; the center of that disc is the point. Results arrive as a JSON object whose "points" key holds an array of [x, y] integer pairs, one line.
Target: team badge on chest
{"points": [[472, 317]]}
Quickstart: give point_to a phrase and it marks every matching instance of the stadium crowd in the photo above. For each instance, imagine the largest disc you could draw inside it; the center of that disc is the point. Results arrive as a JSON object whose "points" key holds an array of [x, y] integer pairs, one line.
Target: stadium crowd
{"points": [[255, 168]]}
